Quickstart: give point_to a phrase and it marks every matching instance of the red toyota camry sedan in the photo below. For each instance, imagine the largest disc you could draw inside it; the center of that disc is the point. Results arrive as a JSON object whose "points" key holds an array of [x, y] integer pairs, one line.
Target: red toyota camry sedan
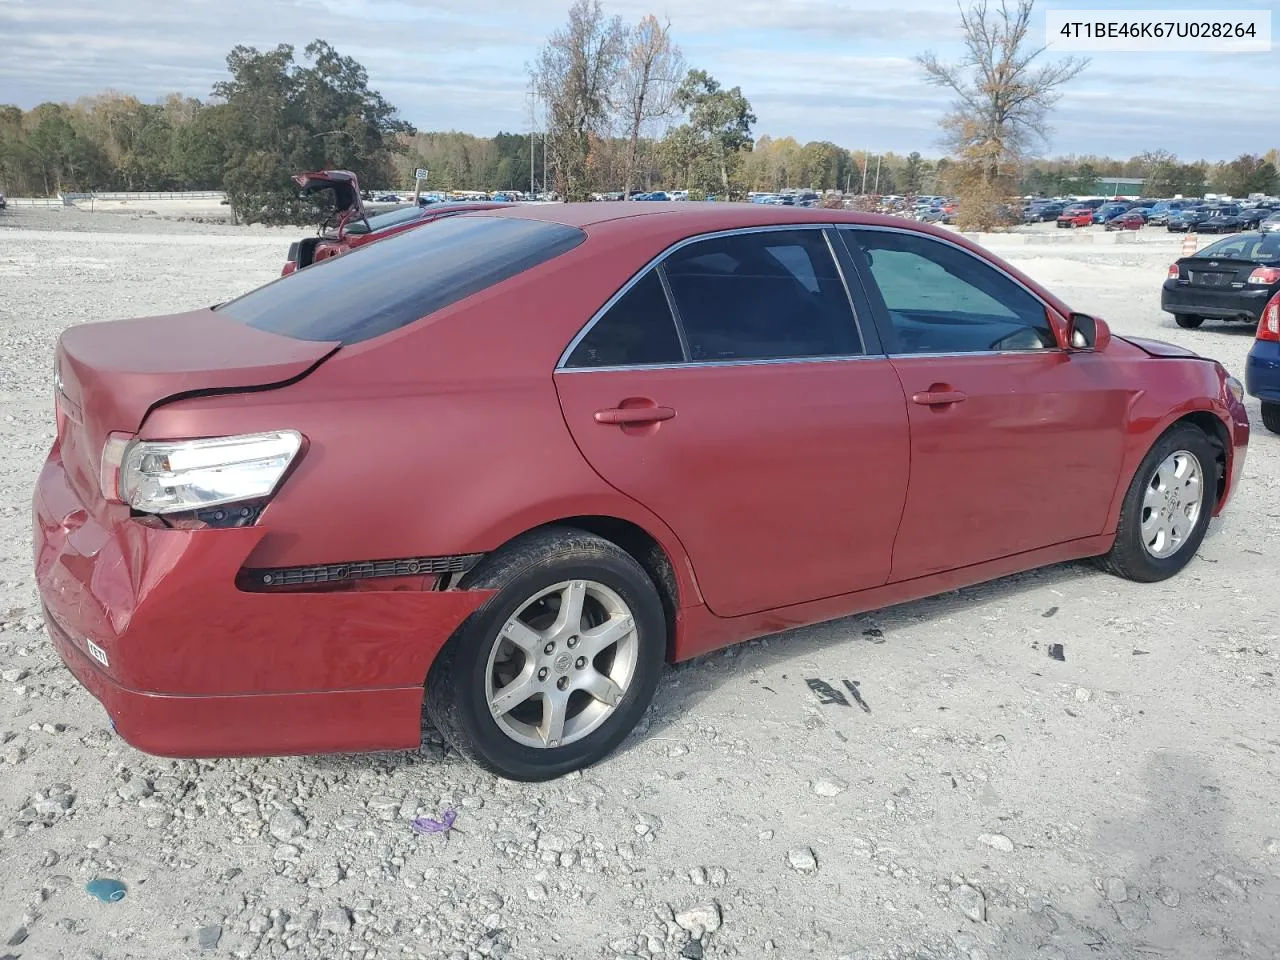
{"points": [[510, 462]]}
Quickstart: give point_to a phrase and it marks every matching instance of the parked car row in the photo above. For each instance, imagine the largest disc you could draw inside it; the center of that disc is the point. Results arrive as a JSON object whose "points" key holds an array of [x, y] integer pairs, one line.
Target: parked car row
{"points": [[1202, 216], [799, 198]]}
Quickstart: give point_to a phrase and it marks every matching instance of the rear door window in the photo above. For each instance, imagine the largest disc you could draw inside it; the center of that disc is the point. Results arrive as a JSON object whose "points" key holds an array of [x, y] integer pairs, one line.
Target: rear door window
{"points": [[386, 285], [764, 295], [637, 330]]}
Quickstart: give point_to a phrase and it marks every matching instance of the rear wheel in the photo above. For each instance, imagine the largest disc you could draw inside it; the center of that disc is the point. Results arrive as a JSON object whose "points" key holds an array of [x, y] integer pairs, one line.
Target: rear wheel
{"points": [[1188, 321], [1271, 416], [1166, 508], [552, 673]]}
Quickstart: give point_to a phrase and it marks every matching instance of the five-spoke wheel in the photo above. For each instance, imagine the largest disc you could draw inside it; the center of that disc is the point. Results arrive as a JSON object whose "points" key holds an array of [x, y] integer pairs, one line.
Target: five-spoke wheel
{"points": [[556, 668], [561, 664]]}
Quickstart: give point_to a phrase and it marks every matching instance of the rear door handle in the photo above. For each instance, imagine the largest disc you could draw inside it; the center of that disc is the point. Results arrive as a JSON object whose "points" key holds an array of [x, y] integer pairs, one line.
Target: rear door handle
{"points": [[625, 415], [933, 398]]}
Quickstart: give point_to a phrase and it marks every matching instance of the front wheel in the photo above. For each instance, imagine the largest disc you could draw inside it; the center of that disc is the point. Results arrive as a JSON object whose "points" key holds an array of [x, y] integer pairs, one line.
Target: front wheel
{"points": [[1166, 508], [554, 671], [1187, 321], [1271, 416]]}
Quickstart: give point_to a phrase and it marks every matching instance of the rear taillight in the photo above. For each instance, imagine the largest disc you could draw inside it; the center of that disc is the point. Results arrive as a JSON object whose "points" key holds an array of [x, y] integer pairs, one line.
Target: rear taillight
{"points": [[1269, 324], [109, 467], [180, 476], [1265, 275], [1174, 272]]}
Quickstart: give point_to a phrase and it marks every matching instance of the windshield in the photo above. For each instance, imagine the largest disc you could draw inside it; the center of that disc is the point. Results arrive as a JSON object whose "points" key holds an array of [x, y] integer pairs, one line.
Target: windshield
{"points": [[390, 284], [1246, 246]]}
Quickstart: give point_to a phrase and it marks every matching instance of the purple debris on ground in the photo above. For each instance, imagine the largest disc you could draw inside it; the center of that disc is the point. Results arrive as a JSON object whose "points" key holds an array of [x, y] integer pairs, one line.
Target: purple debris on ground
{"points": [[427, 825]]}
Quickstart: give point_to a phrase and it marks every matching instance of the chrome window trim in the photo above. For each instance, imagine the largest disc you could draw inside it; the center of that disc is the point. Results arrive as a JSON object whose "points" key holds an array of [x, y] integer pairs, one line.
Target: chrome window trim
{"points": [[986, 263], [703, 364], [1042, 352], [657, 262]]}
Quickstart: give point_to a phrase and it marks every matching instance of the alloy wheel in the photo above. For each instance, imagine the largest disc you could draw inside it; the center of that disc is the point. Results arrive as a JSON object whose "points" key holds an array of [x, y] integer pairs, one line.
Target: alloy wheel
{"points": [[561, 664]]}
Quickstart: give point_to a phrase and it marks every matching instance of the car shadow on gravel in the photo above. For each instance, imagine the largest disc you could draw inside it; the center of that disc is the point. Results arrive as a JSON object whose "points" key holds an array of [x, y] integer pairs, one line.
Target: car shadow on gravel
{"points": [[702, 675], [1173, 879]]}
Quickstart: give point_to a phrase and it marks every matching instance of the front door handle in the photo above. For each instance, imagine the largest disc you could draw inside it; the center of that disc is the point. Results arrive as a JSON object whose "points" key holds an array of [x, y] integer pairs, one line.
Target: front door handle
{"points": [[935, 398], [631, 415]]}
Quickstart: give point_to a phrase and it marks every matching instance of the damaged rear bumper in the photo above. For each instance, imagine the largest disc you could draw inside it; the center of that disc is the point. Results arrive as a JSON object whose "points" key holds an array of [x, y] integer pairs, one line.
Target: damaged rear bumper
{"points": [[151, 622]]}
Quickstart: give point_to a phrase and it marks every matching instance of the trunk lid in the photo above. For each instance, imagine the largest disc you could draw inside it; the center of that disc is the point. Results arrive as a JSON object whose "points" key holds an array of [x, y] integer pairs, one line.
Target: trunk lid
{"points": [[109, 376], [347, 205], [1219, 272]]}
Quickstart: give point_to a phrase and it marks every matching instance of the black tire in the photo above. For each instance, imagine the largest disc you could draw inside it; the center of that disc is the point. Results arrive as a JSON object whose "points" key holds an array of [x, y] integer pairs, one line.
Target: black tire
{"points": [[1129, 556], [1187, 321], [1271, 416], [455, 697]]}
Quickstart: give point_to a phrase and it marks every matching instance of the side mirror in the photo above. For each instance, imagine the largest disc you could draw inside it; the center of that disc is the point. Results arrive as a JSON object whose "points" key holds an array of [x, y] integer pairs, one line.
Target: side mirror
{"points": [[1087, 333]]}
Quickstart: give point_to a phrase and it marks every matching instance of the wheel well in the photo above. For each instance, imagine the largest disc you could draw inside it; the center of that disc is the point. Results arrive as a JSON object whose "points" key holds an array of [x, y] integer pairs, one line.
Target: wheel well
{"points": [[1214, 429], [646, 551]]}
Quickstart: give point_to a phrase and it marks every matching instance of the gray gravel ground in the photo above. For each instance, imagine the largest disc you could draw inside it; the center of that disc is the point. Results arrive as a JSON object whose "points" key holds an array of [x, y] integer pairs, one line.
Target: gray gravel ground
{"points": [[989, 802]]}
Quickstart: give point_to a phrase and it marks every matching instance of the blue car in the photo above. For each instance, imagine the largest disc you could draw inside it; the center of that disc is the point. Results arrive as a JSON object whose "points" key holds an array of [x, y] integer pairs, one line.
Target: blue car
{"points": [[1109, 211], [1262, 368]]}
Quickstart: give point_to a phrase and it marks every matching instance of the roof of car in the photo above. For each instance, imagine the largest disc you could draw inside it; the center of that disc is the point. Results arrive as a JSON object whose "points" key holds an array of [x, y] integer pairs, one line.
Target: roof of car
{"points": [[654, 226], [693, 216]]}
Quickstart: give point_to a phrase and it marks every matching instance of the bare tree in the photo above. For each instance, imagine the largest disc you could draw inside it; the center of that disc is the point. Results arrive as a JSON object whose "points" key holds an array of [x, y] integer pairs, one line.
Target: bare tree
{"points": [[1002, 94], [575, 76], [653, 71]]}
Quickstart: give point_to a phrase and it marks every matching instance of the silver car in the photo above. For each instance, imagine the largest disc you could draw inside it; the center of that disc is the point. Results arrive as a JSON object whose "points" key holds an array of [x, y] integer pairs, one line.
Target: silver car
{"points": [[1271, 224]]}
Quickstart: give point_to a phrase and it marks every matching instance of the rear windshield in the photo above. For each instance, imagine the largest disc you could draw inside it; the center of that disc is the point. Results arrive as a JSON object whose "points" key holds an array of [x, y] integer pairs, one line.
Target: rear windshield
{"points": [[386, 285], [1245, 246]]}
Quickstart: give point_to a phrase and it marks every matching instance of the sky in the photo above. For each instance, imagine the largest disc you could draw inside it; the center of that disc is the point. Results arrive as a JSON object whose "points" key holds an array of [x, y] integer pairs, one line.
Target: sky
{"points": [[839, 70]]}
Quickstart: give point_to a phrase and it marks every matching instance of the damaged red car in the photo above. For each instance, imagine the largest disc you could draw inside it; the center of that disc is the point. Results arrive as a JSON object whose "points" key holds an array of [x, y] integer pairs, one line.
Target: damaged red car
{"points": [[508, 466], [349, 225]]}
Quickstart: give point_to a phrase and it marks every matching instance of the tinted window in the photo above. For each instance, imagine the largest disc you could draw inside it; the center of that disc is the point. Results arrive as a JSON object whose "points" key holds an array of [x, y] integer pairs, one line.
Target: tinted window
{"points": [[1250, 246], [637, 329], [389, 284], [761, 296], [941, 299]]}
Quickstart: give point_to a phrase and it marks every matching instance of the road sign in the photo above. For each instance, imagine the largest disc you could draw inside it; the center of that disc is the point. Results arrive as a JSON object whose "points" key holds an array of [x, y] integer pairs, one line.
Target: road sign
{"points": [[1189, 243], [420, 173]]}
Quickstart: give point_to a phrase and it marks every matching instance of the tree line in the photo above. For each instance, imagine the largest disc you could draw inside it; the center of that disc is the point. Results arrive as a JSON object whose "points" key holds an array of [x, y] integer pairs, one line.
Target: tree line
{"points": [[621, 109], [273, 117]]}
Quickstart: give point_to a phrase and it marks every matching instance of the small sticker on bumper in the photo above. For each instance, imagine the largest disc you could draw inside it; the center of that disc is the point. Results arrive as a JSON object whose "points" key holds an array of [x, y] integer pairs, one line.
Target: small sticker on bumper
{"points": [[97, 653]]}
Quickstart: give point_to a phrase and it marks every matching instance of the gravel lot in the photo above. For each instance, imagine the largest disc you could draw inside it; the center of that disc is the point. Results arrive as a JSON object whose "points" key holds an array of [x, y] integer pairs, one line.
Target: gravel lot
{"points": [[987, 802]]}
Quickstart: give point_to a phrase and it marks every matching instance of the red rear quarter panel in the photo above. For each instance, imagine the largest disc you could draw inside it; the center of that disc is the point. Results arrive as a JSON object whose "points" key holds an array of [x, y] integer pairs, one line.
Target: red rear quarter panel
{"points": [[418, 431]]}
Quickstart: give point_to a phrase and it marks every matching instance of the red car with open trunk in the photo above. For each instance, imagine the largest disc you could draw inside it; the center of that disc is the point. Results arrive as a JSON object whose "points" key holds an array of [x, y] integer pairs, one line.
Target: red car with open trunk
{"points": [[349, 225], [513, 461]]}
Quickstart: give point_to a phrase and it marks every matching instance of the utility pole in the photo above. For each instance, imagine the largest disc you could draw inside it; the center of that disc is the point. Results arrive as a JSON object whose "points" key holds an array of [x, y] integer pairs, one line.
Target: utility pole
{"points": [[865, 159], [532, 127], [876, 188]]}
